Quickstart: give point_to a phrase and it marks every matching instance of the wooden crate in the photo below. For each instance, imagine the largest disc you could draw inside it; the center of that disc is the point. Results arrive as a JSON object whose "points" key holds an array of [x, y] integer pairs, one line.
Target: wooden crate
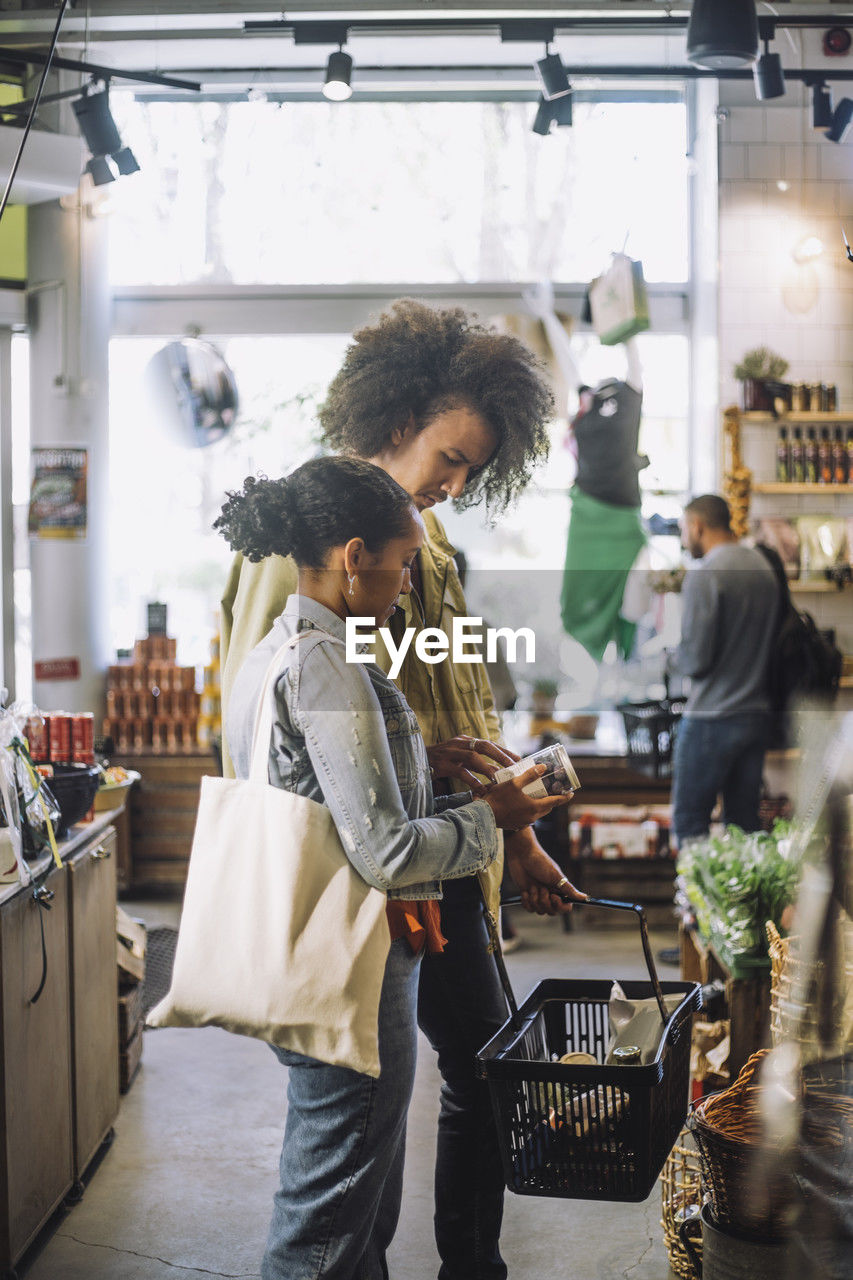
{"points": [[163, 808], [129, 1059], [648, 881], [130, 947], [129, 1012]]}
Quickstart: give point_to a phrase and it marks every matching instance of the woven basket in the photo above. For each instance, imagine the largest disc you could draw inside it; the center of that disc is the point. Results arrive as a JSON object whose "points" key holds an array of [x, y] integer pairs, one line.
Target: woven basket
{"points": [[680, 1186], [790, 1022], [749, 1186]]}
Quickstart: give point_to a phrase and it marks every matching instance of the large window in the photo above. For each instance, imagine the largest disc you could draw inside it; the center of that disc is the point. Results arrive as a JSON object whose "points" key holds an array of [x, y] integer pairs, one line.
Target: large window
{"points": [[166, 495], [311, 193], [372, 194]]}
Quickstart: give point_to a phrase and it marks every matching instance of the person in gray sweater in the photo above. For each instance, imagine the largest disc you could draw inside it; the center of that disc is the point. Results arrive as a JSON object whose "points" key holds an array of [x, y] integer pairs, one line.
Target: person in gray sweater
{"points": [[730, 609]]}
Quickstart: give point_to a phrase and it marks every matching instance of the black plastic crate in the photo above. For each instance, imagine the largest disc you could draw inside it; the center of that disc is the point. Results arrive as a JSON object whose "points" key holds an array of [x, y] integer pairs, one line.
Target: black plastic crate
{"points": [[586, 1132], [650, 729]]}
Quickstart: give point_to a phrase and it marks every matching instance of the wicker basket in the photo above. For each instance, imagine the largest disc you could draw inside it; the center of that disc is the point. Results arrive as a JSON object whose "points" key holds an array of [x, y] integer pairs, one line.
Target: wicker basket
{"points": [[680, 1186], [789, 1021], [749, 1185]]}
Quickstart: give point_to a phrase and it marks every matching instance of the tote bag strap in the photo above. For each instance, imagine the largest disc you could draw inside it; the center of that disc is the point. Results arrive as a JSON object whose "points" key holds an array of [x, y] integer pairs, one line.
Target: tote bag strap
{"points": [[259, 768]]}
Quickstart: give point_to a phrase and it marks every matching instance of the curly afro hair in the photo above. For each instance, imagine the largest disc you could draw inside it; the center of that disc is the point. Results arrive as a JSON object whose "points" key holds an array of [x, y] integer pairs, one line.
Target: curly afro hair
{"points": [[418, 361], [321, 505]]}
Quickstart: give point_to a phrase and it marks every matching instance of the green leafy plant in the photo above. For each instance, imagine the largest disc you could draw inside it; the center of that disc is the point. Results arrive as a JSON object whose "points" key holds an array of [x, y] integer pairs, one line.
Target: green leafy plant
{"points": [[761, 363], [736, 881]]}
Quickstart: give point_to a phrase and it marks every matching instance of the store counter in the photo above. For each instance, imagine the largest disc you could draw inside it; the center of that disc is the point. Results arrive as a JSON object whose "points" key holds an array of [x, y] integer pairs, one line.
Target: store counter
{"points": [[58, 1030]]}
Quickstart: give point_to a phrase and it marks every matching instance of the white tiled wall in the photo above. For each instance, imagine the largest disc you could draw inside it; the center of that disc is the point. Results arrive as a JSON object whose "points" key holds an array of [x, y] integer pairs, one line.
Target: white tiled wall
{"points": [[803, 313]]}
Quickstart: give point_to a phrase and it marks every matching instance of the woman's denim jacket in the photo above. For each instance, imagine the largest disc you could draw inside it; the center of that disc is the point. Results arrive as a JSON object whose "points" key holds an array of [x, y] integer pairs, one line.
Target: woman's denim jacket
{"points": [[345, 736]]}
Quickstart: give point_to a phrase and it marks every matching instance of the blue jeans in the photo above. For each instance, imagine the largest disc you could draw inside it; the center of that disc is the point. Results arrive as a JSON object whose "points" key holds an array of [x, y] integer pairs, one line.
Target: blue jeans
{"points": [[713, 756], [336, 1210], [460, 1006]]}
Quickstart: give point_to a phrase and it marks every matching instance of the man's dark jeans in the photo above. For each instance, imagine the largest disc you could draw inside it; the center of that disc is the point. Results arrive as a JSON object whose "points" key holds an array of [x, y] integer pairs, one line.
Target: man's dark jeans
{"points": [[713, 756], [460, 1007]]}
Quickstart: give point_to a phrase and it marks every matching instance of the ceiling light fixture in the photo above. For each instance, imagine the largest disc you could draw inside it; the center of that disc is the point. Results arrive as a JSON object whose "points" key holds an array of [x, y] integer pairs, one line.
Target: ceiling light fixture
{"points": [[558, 112], [110, 158], [543, 119], [767, 72], [842, 120], [821, 106], [722, 34], [553, 76], [338, 75]]}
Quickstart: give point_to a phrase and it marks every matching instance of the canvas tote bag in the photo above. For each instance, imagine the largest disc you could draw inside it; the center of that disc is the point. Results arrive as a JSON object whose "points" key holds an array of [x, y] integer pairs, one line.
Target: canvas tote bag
{"points": [[619, 302], [280, 938]]}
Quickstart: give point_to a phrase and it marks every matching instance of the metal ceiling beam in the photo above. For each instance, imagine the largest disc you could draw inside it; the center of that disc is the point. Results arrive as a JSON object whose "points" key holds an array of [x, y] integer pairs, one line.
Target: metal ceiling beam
{"points": [[32, 57]]}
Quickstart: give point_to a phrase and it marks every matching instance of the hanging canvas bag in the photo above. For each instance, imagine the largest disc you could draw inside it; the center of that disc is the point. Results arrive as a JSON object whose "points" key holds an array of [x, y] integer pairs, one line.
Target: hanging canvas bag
{"points": [[280, 938], [618, 301]]}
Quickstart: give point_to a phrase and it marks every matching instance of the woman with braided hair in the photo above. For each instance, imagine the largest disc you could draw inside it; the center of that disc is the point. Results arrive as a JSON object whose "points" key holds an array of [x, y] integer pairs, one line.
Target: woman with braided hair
{"points": [[344, 736], [451, 410]]}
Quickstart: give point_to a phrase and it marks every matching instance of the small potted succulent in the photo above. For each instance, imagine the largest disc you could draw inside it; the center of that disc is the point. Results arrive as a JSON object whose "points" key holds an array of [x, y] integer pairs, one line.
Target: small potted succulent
{"points": [[544, 698], [761, 372]]}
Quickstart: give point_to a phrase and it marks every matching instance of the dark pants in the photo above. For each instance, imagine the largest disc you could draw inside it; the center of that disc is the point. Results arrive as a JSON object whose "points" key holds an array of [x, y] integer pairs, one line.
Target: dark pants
{"points": [[725, 756], [460, 1006]]}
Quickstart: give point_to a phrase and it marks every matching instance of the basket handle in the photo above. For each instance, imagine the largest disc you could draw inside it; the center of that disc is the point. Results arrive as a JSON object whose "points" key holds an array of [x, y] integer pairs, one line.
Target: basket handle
{"points": [[644, 936]]}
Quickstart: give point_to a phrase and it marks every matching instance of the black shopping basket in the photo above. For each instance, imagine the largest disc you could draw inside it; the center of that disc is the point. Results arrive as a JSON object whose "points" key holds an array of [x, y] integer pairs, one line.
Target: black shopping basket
{"points": [[650, 729], [585, 1132]]}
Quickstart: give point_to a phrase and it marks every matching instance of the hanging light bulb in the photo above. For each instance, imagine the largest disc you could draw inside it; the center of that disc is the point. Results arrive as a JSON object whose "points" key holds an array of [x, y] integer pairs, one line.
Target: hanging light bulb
{"points": [[338, 72], [821, 106], [842, 120], [768, 76], [722, 34]]}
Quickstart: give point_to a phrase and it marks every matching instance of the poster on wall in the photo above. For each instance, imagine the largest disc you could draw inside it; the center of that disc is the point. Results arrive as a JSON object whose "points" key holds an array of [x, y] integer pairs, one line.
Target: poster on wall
{"points": [[58, 498]]}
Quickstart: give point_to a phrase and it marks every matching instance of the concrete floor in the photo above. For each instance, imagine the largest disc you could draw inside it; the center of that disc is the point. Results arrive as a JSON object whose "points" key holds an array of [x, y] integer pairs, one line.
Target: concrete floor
{"points": [[185, 1189]]}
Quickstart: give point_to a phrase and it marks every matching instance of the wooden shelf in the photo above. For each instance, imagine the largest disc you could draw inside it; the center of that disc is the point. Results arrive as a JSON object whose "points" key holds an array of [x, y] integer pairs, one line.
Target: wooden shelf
{"points": [[846, 682], [777, 487], [815, 588], [796, 418]]}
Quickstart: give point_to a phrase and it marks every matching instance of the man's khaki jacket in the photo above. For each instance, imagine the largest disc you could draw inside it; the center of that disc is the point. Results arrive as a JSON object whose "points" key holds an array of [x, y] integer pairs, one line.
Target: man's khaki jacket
{"points": [[448, 698]]}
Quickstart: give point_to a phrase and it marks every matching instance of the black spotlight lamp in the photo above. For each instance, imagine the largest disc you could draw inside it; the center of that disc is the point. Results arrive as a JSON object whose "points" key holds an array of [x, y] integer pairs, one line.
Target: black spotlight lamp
{"points": [[101, 136], [126, 162], [821, 106], [561, 110], [767, 73], [100, 170], [544, 117], [337, 87], [842, 120], [553, 76], [722, 34]]}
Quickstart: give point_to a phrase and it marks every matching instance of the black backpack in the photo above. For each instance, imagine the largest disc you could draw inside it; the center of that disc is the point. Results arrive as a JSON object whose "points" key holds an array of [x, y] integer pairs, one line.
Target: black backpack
{"points": [[804, 662]]}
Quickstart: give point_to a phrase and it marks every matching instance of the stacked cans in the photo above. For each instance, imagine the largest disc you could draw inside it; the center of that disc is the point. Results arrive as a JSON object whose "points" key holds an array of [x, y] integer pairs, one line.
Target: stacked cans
{"points": [[60, 737]]}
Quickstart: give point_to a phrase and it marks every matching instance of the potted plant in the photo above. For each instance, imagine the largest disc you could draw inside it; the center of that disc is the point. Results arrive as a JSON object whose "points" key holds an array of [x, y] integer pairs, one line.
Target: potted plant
{"points": [[544, 698], [761, 372]]}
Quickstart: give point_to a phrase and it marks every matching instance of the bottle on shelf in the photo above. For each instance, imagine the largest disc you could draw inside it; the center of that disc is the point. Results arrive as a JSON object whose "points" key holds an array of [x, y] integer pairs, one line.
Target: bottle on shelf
{"points": [[783, 457], [840, 473], [798, 459], [850, 455], [811, 457], [824, 457]]}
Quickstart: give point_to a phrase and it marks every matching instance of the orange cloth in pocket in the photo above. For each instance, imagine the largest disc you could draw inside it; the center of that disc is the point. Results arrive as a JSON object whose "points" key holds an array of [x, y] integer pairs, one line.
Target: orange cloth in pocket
{"points": [[418, 922]]}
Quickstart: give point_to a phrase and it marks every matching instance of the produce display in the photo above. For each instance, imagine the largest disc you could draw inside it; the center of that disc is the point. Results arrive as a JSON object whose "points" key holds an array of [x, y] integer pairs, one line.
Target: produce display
{"points": [[735, 882]]}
